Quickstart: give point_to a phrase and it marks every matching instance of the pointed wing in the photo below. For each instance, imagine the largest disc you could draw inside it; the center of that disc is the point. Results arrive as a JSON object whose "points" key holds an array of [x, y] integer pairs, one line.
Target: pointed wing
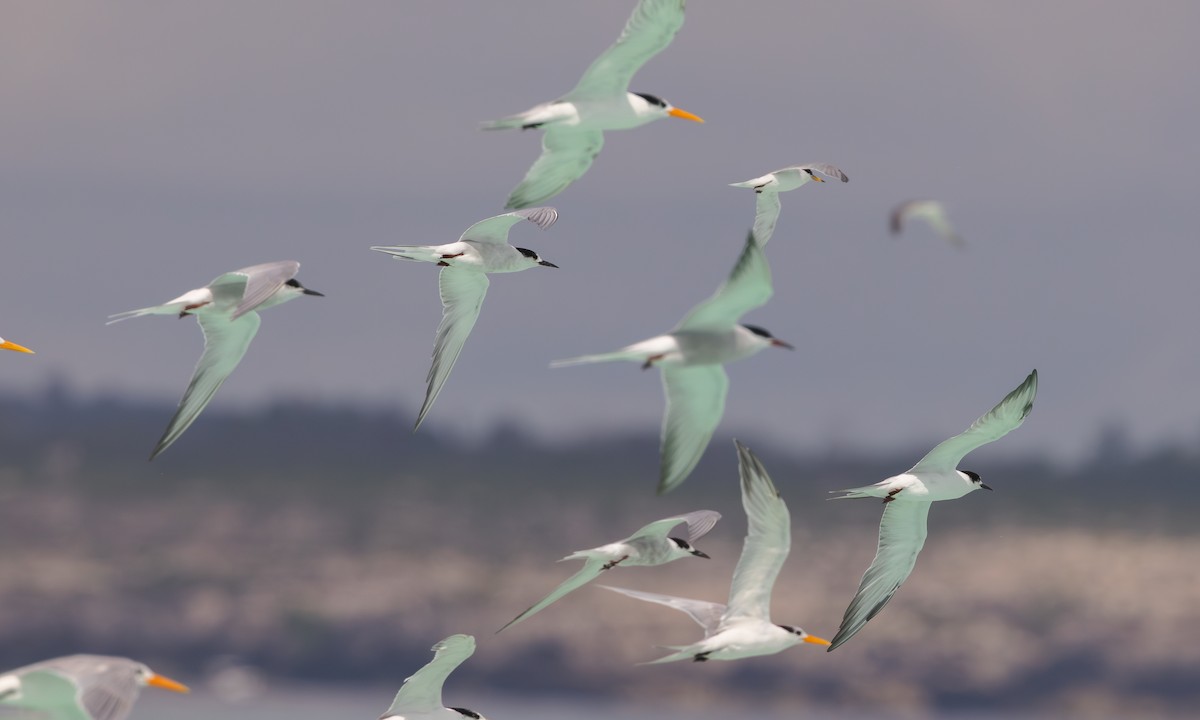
{"points": [[900, 215], [695, 404], [748, 287], [698, 524], [766, 214], [901, 536], [422, 691], [462, 297], [589, 572], [648, 31], [225, 342], [495, 229], [249, 287], [827, 170], [567, 153], [707, 614], [998, 422], [768, 540]]}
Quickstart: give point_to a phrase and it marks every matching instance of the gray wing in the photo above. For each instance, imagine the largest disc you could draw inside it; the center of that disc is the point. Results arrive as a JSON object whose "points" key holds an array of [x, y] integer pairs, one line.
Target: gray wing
{"points": [[695, 404], [462, 297], [766, 214], [422, 691], [706, 614], [83, 687], [748, 287], [901, 536], [225, 342], [899, 215], [648, 31], [590, 571], [567, 153], [249, 287], [768, 540], [828, 170], [495, 229], [698, 524], [1007, 416]]}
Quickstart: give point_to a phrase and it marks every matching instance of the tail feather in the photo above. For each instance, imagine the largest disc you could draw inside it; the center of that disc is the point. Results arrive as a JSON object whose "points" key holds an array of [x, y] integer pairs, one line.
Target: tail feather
{"points": [[155, 310], [602, 357], [416, 253], [682, 652], [505, 123]]}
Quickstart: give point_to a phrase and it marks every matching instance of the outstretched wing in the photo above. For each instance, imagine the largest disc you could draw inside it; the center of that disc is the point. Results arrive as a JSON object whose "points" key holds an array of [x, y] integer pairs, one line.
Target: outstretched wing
{"points": [[225, 342], [828, 170], [495, 229], [462, 297], [766, 214], [748, 287], [648, 31], [695, 404], [901, 537], [768, 540], [567, 153], [249, 287], [422, 691], [590, 571], [706, 614], [698, 524], [1007, 416]]}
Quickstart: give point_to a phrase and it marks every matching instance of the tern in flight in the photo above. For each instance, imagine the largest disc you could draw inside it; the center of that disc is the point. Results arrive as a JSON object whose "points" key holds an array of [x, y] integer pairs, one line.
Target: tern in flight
{"points": [[9, 345], [932, 212], [768, 187], [692, 359], [648, 546], [573, 125], [906, 501], [420, 696], [743, 628], [80, 687], [227, 310], [463, 282]]}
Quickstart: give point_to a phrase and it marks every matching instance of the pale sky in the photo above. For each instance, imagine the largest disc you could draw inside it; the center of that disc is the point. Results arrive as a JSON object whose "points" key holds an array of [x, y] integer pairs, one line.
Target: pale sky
{"points": [[147, 147]]}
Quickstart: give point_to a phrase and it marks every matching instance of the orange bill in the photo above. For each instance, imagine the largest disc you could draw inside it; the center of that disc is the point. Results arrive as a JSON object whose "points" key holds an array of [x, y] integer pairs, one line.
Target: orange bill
{"points": [[815, 640], [167, 683], [13, 346], [676, 112]]}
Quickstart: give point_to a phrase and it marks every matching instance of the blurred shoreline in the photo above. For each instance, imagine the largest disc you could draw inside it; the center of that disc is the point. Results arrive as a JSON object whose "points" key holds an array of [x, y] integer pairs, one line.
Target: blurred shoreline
{"points": [[323, 545]]}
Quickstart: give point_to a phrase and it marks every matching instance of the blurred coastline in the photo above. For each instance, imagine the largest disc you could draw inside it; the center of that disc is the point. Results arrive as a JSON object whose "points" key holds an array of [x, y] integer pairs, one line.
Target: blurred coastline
{"points": [[310, 544]]}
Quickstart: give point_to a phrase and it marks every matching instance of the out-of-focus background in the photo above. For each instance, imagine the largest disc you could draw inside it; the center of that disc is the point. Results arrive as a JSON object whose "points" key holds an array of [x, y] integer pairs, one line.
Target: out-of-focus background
{"points": [[298, 533]]}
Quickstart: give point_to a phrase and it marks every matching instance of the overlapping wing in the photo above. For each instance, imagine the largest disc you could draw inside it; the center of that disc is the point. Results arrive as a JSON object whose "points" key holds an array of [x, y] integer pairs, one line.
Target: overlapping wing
{"points": [[495, 229], [748, 287], [695, 404], [567, 153], [768, 540]]}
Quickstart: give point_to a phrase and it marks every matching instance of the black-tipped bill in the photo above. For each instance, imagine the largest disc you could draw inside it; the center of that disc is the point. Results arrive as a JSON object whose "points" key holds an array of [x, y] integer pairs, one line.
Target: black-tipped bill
{"points": [[779, 343], [546, 263], [306, 291], [699, 554], [985, 487]]}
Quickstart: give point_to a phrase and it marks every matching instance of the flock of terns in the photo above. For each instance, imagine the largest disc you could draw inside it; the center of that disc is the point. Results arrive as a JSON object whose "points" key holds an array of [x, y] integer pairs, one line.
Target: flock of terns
{"points": [[691, 357]]}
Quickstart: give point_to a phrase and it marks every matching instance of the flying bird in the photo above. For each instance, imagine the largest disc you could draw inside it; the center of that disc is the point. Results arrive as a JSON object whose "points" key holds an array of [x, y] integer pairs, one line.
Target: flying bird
{"points": [[692, 357], [80, 687], [932, 212], [420, 696], [768, 187], [646, 547], [9, 345], [227, 310], [573, 125], [906, 501], [463, 282], [743, 628]]}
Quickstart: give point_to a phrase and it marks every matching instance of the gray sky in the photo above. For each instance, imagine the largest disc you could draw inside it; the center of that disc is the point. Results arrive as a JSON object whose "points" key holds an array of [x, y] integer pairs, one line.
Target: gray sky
{"points": [[147, 147]]}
